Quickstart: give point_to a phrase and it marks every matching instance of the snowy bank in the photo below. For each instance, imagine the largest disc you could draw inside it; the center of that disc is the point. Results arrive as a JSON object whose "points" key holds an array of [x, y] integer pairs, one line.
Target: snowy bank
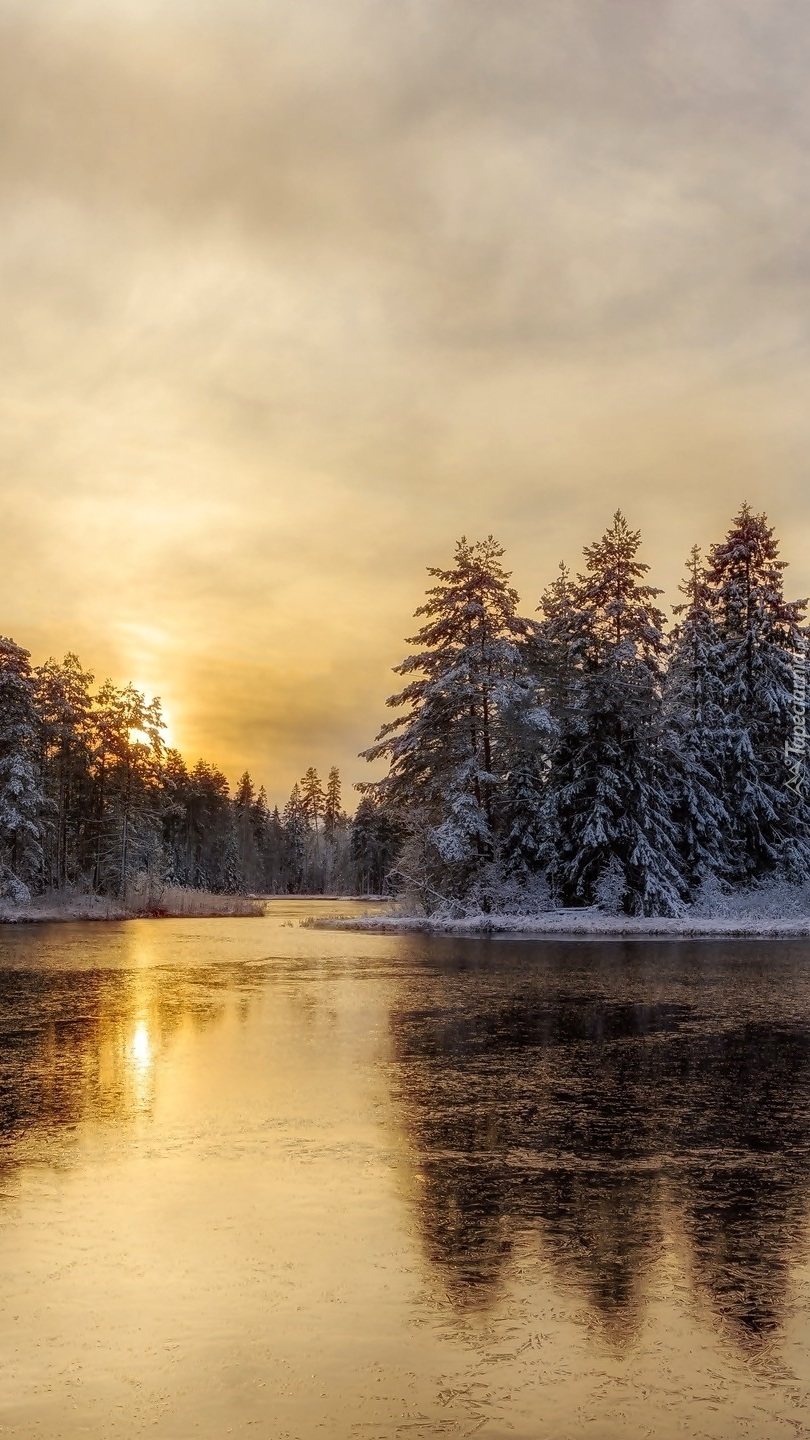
{"points": [[579, 924], [770, 910], [565, 925], [173, 902]]}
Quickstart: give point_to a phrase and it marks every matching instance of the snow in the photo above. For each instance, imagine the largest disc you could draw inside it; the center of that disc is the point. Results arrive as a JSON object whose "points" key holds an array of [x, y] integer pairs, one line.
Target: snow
{"points": [[580, 923], [772, 909]]}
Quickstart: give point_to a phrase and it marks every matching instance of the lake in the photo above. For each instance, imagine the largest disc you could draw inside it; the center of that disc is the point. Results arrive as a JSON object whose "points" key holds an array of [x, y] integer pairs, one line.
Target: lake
{"points": [[266, 1181]]}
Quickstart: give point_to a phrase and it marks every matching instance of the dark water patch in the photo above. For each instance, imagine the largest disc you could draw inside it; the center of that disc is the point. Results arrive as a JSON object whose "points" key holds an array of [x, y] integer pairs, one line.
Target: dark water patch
{"points": [[590, 1122]]}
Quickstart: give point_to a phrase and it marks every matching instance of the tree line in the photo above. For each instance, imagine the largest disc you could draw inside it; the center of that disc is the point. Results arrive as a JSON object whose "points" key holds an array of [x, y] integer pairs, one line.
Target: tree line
{"points": [[92, 799], [591, 752], [588, 754]]}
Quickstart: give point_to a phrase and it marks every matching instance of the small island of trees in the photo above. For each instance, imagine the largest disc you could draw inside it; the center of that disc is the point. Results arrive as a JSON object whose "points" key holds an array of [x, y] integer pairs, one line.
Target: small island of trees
{"points": [[587, 755]]}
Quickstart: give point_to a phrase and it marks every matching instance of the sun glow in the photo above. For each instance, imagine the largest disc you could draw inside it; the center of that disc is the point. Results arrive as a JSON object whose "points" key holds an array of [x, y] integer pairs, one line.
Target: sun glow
{"points": [[139, 737]]}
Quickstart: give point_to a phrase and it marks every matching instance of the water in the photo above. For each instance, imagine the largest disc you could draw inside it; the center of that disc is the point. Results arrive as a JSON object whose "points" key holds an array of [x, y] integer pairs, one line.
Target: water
{"points": [[265, 1181]]}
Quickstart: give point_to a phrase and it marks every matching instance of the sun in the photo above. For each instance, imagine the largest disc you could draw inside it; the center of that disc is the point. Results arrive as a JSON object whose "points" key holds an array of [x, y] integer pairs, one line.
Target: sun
{"points": [[138, 737]]}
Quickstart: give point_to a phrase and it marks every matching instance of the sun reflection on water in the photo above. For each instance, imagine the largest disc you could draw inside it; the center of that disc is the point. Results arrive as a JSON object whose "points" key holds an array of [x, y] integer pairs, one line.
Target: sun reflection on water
{"points": [[140, 1052], [141, 1046]]}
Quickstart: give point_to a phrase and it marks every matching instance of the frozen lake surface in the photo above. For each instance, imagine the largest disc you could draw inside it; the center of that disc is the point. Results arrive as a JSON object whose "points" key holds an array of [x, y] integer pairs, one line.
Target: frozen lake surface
{"points": [[272, 1182]]}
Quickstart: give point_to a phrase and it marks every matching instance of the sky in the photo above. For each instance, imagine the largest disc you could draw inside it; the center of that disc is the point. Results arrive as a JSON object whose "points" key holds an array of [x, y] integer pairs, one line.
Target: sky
{"points": [[292, 295]]}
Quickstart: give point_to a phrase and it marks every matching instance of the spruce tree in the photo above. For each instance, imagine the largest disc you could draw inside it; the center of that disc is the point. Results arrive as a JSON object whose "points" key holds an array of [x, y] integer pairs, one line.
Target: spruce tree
{"points": [[260, 822], [22, 802], [312, 796], [695, 732], [608, 803], [523, 846], [243, 803], [175, 820], [759, 633], [557, 650], [332, 812], [64, 710], [445, 752], [295, 825], [210, 828]]}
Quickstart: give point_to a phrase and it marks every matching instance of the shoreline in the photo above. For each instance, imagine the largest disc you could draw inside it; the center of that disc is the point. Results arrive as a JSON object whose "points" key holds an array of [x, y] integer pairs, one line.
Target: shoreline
{"points": [[590, 926], [175, 904], [578, 925]]}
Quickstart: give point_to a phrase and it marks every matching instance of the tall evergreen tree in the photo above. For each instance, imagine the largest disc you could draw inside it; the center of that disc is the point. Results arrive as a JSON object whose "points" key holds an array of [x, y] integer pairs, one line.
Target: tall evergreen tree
{"points": [[22, 801], [245, 827], [295, 823], [276, 881], [312, 796], [376, 840], [608, 803], [759, 634], [175, 819], [695, 731], [210, 829], [127, 753], [332, 812], [445, 753], [64, 710]]}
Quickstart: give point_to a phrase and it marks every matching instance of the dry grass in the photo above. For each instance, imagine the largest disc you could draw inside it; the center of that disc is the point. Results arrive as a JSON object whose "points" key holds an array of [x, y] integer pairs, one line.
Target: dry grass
{"points": [[173, 901], [177, 901]]}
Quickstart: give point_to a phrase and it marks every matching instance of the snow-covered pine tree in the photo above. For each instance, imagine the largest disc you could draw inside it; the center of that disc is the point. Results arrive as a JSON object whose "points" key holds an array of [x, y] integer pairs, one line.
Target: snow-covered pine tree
{"points": [[363, 838], [244, 820], [276, 881], [175, 821], [559, 642], [295, 823], [523, 844], [313, 798], [557, 649], [445, 752], [260, 822], [231, 880], [127, 753], [759, 633], [695, 731], [22, 801], [332, 812], [64, 704], [375, 840], [608, 800], [337, 866], [209, 827], [527, 735], [527, 741]]}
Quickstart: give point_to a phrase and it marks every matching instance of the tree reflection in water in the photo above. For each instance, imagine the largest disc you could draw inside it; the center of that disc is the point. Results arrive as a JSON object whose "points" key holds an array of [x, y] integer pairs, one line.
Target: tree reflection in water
{"points": [[567, 1116]]}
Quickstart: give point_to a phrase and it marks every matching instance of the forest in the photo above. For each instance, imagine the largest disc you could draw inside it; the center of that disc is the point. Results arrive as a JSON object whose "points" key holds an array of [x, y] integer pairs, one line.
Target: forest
{"points": [[592, 755], [587, 755], [93, 802]]}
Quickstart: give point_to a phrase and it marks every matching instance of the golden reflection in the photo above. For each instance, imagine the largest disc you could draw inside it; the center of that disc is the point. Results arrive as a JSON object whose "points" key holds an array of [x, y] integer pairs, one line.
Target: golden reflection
{"points": [[141, 1076], [141, 1047], [96, 1051]]}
